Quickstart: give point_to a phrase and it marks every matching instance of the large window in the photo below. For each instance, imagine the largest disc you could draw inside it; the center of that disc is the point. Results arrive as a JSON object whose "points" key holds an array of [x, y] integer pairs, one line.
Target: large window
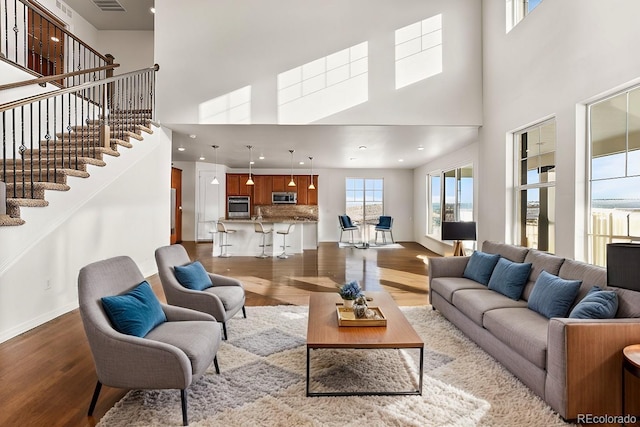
{"points": [[451, 197], [614, 142], [535, 186], [364, 198]]}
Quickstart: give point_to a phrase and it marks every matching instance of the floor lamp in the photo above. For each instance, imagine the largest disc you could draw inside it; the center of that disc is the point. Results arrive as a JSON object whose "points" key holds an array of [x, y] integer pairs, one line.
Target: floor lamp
{"points": [[458, 231]]}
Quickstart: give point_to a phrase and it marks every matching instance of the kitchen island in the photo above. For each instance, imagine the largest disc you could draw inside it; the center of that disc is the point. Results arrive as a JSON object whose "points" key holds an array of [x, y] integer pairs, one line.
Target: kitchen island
{"points": [[246, 242]]}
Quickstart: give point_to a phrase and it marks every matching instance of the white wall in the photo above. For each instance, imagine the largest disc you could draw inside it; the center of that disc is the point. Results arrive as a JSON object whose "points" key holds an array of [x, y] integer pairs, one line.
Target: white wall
{"points": [[398, 200], [122, 209], [249, 42], [559, 57], [133, 50], [463, 157]]}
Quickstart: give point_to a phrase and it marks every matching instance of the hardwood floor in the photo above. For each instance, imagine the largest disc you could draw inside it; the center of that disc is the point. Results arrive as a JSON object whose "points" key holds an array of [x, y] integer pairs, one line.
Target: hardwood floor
{"points": [[47, 374]]}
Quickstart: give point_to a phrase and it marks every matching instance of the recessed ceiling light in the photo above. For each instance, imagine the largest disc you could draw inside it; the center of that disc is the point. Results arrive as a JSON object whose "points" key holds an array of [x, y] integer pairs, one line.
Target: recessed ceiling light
{"points": [[301, 163], [55, 39], [181, 148], [401, 160], [192, 136], [362, 147], [420, 148], [252, 162], [261, 157], [152, 9], [352, 158], [201, 157]]}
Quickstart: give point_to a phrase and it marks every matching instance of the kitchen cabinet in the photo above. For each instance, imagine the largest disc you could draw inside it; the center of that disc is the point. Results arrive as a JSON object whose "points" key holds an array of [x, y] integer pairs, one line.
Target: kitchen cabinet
{"points": [[280, 182], [262, 189], [312, 195], [302, 182], [236, 184]]}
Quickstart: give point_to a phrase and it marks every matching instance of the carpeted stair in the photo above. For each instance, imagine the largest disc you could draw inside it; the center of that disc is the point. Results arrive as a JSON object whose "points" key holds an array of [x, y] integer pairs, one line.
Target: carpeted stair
{"points": [[47, 167]]}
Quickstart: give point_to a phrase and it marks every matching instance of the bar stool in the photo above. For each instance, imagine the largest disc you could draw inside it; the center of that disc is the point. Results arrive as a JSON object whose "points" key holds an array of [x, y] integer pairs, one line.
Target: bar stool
{"points": [[264, 231], [284, 233], [224, 232]]}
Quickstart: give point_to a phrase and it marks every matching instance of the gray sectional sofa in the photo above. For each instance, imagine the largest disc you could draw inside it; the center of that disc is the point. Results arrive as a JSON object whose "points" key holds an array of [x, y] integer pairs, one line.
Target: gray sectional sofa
{"points": [[573, 364]]}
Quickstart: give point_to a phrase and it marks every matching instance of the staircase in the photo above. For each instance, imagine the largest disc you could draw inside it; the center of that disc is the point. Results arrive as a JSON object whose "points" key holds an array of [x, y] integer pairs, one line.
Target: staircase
{"points": [[80, 125]]}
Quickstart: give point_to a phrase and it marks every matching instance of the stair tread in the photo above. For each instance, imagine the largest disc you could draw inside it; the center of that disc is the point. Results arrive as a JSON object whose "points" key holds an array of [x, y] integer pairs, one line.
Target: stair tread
{"points": [[34, 203], [6, 220]]}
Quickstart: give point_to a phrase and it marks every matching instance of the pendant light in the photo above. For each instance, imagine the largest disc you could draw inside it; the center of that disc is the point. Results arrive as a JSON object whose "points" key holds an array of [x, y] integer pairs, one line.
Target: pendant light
{"points": [[311, 186], [250, 180], [215, 175], [292, 183]]}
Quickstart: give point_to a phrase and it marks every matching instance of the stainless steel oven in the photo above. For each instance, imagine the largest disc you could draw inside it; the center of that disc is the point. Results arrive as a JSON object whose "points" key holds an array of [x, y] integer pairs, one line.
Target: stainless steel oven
{"points": [[238, 206]]}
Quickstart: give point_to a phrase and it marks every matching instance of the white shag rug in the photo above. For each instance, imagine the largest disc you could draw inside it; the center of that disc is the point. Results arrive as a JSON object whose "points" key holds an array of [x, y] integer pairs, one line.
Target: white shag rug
{"points": [[262, 382]]}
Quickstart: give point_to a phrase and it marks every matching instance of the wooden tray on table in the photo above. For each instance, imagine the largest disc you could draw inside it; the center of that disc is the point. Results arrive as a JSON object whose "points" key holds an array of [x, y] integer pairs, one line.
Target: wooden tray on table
{"points": [[346, 317]]}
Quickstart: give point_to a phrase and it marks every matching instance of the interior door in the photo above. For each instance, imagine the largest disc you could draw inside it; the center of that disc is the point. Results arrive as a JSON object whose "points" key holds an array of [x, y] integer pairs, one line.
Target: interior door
{"points": [[176, 205]]}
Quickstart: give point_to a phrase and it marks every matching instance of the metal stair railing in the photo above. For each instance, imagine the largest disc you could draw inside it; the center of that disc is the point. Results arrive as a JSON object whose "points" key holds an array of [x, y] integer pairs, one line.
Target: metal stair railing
{"points": [[42, 136]]}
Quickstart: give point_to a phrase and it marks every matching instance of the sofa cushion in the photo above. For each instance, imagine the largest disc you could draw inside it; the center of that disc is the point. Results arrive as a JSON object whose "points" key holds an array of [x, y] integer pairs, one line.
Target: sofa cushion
{"points": [[447, 286], [598, 304], [509, 278], [193, 276], [480, 267], [198, 339], [510, 252], [521, 329], [136, 312], [231, 296], [474, 303], [540, 261], [590, 275], [628, 302], [553, 296]]}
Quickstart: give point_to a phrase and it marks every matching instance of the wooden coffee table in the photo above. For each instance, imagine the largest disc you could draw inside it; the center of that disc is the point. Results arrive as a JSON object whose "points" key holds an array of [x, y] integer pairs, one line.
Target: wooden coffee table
{"points": [[323, 332]]}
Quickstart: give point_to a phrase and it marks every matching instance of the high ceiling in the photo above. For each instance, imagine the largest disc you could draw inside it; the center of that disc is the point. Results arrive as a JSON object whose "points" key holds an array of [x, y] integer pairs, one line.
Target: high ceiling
{"points": [[137, 15], [332, 145]]}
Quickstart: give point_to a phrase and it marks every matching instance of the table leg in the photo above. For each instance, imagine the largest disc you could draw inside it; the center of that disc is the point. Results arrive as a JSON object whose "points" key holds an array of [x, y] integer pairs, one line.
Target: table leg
{"points": [[308, 369]]}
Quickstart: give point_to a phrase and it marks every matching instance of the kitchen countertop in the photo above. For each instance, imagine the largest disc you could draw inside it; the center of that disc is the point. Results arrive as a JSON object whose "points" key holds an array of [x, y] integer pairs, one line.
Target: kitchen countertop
{"points": [[271, 220]]}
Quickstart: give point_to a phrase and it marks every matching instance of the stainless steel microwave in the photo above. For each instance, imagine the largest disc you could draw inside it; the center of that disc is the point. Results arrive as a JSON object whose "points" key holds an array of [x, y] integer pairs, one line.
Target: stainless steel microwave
{"points": [[282, 197], [238, 206]]}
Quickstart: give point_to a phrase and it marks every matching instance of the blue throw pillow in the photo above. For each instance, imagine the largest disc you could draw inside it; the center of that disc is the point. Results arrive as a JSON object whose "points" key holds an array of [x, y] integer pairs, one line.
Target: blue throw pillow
{"points": [[597, 304], [193, 276], [552, 296], [480, 267], [509, 278], [136, 312]]}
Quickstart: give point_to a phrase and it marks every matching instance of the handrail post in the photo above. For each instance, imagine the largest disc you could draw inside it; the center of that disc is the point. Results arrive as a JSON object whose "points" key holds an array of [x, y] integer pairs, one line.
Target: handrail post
{"points": [[109, 73]]}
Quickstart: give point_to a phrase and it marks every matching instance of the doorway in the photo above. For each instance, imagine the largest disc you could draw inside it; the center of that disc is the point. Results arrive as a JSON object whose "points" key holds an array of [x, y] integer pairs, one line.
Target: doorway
{"points": [[176, 205]]}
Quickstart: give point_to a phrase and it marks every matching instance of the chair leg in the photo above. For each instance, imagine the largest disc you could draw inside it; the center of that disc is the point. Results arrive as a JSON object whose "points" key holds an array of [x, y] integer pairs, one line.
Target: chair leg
{"points": [[224, 331], [183, 398], [244, 312], [391, 233], [215, 363], [94, 399]]}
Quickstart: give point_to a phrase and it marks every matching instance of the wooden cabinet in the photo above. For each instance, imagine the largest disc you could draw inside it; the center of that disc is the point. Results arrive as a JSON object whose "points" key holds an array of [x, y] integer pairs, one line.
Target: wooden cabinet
{"points": [[312, 195], [302, 182], [260, 192], [280, 182], [236, 185], [262, 189]]}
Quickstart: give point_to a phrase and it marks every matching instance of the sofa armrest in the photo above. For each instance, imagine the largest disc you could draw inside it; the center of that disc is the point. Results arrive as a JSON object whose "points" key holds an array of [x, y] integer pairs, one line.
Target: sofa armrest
{"points": [[447, 266], [584, 363]]}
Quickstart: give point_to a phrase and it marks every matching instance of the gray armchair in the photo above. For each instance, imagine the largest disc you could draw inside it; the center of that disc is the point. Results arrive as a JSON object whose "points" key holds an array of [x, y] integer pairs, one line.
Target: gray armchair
{"points": [[223, 300], [172, 355]]}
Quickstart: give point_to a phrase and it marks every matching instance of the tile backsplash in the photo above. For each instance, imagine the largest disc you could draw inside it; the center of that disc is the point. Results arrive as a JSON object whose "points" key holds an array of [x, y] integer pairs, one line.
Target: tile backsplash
{"points": [[287, 211]]}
